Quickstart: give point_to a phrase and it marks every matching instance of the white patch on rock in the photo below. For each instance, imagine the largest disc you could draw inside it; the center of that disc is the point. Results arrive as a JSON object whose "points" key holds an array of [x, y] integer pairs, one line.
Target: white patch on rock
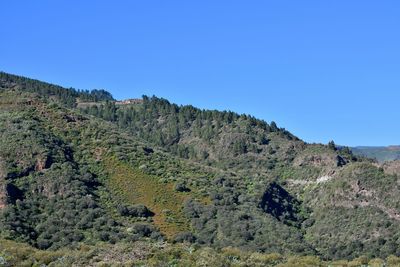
{"points": [[324, 179]]}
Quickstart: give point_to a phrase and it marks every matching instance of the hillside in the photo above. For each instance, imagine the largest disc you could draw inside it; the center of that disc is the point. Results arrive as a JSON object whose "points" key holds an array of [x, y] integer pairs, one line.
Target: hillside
{"points": [[80, 171], [381, 154]]}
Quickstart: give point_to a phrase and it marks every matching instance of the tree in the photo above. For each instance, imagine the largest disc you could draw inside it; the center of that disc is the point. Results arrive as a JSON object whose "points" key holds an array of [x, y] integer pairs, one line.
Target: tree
{"points": [[274, 127], [332, 145]]}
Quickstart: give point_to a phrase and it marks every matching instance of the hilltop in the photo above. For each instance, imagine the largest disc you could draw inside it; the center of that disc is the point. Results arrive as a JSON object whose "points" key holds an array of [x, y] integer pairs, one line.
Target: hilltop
{"points": [[80, 170]]}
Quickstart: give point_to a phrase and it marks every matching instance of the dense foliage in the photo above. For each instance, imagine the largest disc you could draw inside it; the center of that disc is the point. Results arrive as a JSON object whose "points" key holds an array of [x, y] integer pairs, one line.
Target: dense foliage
{"points": [[67, 97], [225, 185], [190, 132]]}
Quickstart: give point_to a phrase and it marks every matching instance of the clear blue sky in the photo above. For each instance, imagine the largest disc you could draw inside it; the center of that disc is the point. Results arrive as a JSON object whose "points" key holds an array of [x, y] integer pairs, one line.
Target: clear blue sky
{"points": [[322, 69]]}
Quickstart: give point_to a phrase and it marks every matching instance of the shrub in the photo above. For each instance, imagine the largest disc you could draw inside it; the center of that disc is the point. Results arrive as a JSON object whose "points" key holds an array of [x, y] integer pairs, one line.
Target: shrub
{"points": [[185, 237], [376, 263], [143, 229], [181, 187], [138, 210], [259, 259], [393, 261]]}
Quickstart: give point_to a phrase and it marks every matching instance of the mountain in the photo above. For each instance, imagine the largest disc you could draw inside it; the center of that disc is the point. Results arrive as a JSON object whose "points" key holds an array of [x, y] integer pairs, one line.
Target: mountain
{"points": [[381, 154], [88, 180]]}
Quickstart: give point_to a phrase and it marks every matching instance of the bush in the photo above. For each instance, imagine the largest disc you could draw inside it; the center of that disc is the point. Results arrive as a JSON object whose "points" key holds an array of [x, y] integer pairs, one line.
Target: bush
{"points": [[185, 237], [138, 210], [143, 229], [181, 187], [259, 259], [376, 263], [43, 243], [209, 257], [393, 261]]}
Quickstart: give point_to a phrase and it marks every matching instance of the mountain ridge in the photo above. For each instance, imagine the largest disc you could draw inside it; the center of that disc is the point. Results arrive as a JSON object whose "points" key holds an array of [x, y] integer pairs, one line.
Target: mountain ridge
{"points": [[380, 153]]}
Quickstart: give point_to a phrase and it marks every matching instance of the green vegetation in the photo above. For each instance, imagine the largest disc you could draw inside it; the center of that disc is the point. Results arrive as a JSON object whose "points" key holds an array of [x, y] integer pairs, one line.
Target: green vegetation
{"points": [[163, 254], [67, 97], [133, 186], [156, 184]]}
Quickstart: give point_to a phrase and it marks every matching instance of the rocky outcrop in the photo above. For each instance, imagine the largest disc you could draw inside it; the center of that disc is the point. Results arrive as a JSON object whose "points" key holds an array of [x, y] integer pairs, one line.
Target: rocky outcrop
{"points": [[320, 160], [43, 163]]}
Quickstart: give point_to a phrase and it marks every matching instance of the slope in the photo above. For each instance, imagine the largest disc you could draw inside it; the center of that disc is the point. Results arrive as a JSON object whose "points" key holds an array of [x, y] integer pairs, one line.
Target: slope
{"points": [[90, 145], [154, 170]]}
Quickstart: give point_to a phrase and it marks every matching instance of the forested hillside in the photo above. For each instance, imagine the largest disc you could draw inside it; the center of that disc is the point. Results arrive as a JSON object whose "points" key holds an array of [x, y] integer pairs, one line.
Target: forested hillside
{"points": [[153, 183]]}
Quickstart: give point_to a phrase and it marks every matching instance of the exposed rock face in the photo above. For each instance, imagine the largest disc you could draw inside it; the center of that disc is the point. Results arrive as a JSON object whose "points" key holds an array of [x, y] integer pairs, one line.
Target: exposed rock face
{"points": [[320, 160], [129, 101], [42, 163]]}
